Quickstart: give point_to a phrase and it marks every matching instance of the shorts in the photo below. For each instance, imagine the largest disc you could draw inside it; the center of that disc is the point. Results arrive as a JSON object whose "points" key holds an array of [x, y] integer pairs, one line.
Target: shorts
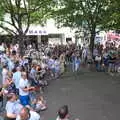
{"points": [[25, 100]]}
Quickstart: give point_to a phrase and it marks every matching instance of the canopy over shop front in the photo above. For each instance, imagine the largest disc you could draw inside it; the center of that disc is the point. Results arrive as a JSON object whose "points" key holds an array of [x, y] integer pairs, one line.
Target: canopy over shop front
{"points": [[113, 36]]}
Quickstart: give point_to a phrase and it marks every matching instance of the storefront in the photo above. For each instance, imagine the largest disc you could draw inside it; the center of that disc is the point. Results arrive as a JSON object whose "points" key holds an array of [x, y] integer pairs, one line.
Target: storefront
{"points": [[113, 38]]}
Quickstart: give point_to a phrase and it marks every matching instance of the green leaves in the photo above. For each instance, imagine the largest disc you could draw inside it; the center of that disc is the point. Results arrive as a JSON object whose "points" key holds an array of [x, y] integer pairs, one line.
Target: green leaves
{"points": [[113, 16], [23, 13], [77, 11]]}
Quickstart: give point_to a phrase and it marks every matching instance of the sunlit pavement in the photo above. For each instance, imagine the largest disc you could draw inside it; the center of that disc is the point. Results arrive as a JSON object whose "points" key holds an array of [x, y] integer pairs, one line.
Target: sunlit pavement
{"points": [[89, 95]]}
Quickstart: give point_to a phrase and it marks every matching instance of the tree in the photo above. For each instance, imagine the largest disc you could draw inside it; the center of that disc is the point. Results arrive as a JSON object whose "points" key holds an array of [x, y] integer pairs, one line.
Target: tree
{"points": [[112, 20], [74, 13], [16, 16]]}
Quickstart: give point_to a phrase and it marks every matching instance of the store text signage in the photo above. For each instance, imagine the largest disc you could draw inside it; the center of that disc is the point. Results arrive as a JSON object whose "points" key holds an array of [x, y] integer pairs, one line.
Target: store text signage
{"points": [[37, 32]]}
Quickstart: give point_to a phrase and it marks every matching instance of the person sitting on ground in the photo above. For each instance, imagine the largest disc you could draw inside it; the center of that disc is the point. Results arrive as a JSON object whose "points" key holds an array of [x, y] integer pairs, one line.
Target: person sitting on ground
{"points": [[39, 104], [63, 113]]}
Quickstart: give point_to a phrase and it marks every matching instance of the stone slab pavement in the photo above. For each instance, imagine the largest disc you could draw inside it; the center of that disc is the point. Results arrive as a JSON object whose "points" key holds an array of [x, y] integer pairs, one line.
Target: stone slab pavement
{"points": [[89, 95]]}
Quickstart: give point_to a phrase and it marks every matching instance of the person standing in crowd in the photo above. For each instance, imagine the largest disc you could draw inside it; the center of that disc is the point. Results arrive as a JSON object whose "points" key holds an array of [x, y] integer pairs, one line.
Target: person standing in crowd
{"points": [[10, 64], [89, 60], [112, 60], [84, 55], [2, 48], [9, 85], [27, 114], [98, 59], [4, 74], [51, 66], [17, 77], [33, 72], [73, 62], [62, 63], [24, 88], [57, 67], [77, 63], [95, 52]]}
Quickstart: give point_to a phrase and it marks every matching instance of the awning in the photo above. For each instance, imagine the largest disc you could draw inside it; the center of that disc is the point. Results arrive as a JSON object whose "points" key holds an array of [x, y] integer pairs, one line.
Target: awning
{"points": [[113, 36]]}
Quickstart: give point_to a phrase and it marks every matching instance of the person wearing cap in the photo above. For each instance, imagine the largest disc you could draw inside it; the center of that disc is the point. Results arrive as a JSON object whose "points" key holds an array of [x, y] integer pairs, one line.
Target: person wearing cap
{"points": [[13, 107]]}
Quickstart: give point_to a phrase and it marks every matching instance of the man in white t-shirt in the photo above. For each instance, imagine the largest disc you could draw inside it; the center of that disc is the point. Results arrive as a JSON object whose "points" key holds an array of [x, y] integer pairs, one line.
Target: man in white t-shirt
{"points": [[24, 88]]}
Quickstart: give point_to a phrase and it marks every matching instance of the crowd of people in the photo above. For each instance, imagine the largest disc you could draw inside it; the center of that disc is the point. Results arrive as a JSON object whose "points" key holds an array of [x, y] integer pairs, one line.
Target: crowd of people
{"points": [[24, 77]]}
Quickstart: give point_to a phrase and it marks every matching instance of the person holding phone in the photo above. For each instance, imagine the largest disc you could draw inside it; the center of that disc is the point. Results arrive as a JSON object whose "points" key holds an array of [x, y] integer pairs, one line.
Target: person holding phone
{"points": [[24, 88]]}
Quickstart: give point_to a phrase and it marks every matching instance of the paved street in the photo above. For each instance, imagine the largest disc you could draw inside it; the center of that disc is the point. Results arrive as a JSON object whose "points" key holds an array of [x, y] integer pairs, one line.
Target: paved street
{"points": [[89, 95]]}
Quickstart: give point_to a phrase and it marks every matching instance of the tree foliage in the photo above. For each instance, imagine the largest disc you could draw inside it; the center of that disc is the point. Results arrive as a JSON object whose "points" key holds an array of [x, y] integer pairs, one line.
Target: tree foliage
{"points": [[112, 20], [16, 16], [76, 12], [22, 13]]}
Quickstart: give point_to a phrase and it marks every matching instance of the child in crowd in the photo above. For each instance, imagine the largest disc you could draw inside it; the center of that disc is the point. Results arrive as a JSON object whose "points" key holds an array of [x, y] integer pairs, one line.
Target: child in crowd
{"points": [[39, 104], [77, 63]]}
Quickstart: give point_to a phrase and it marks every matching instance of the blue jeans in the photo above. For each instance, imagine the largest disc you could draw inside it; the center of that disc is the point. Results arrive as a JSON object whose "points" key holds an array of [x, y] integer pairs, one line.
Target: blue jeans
{"points": [[73, 66], [98, 66]]}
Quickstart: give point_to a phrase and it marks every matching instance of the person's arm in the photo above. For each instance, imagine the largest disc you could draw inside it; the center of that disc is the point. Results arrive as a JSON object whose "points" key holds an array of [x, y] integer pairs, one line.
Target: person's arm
{"points": [[10, 115], [28, 89]]}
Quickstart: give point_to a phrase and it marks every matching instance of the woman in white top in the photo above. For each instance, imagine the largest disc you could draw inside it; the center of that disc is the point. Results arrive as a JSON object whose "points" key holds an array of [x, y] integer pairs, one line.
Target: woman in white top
{"points": [[4, 74]]}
